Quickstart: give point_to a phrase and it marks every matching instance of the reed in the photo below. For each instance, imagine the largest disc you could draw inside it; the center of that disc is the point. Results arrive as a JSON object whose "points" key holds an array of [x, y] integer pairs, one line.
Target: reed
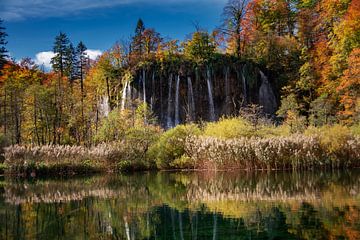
{"points": [[293, 152]]}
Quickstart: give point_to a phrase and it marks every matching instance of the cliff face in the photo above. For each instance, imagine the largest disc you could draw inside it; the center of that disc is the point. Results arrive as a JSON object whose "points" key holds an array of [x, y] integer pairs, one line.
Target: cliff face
{"points": [[202, 93]]}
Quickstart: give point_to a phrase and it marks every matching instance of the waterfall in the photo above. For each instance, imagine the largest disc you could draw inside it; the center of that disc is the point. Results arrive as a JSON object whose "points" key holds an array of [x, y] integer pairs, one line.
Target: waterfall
{"points": [[244, 85], [129, 92], [267, 97], [123, 97], [144, 85], [191, 101], [211, 100], [152, 91], [168, 117], [104, 106], [177, 120]]}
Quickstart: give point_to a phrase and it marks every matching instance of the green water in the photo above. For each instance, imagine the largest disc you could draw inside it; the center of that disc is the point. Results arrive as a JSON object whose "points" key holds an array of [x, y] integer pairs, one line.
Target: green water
{"points": [[195, 205]]}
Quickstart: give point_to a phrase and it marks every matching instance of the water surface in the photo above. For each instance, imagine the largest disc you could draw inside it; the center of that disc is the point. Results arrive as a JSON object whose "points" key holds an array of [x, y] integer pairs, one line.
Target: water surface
{"points": [[189, 205]]}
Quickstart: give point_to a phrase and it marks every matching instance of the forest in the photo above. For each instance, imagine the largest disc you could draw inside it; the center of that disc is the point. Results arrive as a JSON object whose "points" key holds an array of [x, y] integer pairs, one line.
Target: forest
{"points": [[282, 76]]}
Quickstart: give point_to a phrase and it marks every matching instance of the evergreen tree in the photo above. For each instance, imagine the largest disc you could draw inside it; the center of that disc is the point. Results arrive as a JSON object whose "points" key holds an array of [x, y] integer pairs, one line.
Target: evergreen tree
{"points": [[70, 62], [82, 62], [3, 42], [60, 49], [137, 45]]}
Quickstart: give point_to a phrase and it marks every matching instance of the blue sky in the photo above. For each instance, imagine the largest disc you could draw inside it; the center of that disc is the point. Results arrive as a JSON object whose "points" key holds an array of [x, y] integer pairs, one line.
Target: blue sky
{"points": [[33, 24]]}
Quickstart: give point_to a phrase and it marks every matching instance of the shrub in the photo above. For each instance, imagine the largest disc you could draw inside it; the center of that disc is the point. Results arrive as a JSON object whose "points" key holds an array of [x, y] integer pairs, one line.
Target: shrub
{"points": [[355, 129], [136, 145], [334, 140], [171, 146], [228, 128]]}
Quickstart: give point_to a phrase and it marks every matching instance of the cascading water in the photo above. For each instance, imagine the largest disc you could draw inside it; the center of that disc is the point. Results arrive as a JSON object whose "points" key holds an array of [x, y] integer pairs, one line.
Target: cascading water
{"points": [[191, 101], [169, 122], [177, 120], [152, 91], [104, 106], [267, 97], [211, 99], [129, 94], [144, 85], [123, 97]]}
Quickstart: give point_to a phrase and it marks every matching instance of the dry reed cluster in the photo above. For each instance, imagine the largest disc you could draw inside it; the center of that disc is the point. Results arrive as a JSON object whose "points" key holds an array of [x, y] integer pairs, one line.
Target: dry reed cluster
{"points": [[292, 152], [34, 157]]}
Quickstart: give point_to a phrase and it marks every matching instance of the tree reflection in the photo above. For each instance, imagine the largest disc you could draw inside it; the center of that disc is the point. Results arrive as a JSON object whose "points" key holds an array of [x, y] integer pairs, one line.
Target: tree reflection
{"points": [[184, 206]]}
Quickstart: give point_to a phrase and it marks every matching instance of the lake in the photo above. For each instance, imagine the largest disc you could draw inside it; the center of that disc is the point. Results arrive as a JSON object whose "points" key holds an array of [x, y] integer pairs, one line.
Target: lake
{"points": [[184, 205]]}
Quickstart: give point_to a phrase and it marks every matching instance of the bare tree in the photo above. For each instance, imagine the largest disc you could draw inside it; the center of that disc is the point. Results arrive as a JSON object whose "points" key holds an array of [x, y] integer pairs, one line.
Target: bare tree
{"points": [[233, 15]]}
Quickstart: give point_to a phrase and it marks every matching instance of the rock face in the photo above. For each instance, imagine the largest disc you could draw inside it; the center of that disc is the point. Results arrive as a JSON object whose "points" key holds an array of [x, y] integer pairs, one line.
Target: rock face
{"points": [[267, 97], [200, 94]]}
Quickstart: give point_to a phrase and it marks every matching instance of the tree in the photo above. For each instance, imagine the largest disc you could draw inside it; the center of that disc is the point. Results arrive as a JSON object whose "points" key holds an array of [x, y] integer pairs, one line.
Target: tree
{"points": [[349, 89], [81, 65], [3, 42], [60, 48], [70, 63], [234, 13], [201, 47], [60, 63], [152, 40], [290, 112], [138, 43]]}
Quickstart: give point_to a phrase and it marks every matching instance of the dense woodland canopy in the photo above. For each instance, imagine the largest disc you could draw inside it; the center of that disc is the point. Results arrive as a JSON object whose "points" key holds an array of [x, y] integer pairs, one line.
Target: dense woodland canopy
{"points": [[309, 48]]}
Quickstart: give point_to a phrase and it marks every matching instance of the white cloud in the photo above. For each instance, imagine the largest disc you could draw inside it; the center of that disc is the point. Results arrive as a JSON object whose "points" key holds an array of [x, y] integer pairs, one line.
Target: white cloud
{"points": [[44, 58], [22, 9], [93, 54]]}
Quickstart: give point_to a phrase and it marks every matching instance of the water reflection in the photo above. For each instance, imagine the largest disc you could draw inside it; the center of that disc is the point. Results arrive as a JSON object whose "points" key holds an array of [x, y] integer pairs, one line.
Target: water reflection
{"points": [[202, 205]]}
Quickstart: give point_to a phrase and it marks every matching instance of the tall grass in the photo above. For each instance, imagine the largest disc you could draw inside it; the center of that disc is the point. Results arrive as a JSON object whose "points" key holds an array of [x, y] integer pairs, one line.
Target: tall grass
{"points": [[22, 159], [227, 144], [293, 152]]}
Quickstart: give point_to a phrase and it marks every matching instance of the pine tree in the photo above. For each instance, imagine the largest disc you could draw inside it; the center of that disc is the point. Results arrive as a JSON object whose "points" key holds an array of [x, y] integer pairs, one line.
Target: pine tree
{"points": [[82, 62], [60, 48], [137, 45], [3, 42], [70, 63]]}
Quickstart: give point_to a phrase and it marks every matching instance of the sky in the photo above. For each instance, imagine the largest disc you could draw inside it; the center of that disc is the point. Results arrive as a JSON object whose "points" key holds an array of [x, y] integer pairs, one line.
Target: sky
{"points": [[33, 24]]}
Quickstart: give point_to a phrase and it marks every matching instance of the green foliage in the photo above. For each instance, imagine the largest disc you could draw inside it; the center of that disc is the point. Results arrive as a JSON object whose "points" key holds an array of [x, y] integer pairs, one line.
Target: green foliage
{"points": [[355, 129], [117, 124], [168, 151], [229, 128], [290, 111], [137, 142], [322, 111], [332, 138], [201, 47], [114, 127]]}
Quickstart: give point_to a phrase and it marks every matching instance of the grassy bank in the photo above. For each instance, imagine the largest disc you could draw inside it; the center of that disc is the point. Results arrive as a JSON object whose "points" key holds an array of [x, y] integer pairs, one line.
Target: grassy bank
{"points": [[227, 144]]}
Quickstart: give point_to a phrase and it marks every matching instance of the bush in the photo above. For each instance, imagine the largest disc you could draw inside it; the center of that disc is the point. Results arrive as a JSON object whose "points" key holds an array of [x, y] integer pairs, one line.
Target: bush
{"points": [[136, 145], [228, 128], [171, 146], [355, 129]]}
